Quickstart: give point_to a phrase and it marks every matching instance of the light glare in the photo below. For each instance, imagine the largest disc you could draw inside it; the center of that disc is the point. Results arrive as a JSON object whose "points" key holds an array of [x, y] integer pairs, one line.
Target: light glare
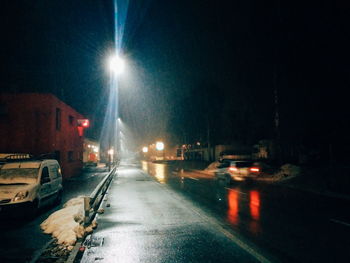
{"points": [[160, 146], [116, 64]]}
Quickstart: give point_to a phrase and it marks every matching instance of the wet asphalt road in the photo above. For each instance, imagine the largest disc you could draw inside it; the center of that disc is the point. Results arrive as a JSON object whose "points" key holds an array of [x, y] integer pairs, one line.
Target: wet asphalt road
{"points": [[283, 224], [20, 238], [149, 222], [291, 225]]}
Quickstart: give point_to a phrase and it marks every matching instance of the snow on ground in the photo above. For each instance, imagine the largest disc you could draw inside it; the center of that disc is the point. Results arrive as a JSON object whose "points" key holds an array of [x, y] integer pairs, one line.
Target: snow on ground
{"points": [[66, 224]]}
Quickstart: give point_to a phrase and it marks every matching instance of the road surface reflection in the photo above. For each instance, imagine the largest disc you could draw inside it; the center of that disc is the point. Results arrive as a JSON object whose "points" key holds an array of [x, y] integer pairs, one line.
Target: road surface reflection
{"points": [[234, 201], [156, 170], [239, 204]]}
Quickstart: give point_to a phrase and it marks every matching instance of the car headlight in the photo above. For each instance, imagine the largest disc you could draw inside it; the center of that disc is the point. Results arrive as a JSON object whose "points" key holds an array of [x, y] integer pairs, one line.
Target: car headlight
{"points": [[21, 195]]}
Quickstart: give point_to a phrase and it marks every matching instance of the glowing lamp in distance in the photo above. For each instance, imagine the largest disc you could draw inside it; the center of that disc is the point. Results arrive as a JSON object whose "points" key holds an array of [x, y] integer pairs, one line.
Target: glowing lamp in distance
{"points": [[145, 149], [83, 123], [160, 146]]}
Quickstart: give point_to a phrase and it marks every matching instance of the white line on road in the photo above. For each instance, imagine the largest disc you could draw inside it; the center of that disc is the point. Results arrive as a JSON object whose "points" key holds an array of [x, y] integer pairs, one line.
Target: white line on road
{"points": [[339, 222]]}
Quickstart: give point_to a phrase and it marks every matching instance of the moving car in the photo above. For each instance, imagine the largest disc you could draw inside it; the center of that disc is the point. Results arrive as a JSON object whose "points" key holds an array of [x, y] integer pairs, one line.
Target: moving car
{"points": [[237, 170], [27, 185]]}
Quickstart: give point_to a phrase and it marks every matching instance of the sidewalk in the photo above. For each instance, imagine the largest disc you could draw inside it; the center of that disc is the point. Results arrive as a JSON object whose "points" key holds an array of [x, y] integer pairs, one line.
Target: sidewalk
{"points": [[148, 222]]}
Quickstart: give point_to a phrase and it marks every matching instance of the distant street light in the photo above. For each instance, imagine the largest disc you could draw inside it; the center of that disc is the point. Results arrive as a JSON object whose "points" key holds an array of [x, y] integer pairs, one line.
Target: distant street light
{"points": [[116, 64], [145, 149], [160, 146], [111, 152]]}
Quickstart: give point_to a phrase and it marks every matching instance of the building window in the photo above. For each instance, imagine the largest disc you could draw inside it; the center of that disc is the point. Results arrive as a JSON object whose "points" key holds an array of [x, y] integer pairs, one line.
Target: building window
{"points": [[71, 120], [70, 156], [58, 119]]}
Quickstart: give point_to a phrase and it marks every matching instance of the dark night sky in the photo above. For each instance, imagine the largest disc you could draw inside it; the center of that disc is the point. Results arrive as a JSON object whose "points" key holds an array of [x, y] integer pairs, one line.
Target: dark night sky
{"points": [[191, 62]]}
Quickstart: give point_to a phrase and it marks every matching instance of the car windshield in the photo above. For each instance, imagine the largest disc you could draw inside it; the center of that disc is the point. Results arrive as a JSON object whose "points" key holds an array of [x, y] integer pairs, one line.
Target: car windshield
{"points": [[244, 164], [18, 176]]}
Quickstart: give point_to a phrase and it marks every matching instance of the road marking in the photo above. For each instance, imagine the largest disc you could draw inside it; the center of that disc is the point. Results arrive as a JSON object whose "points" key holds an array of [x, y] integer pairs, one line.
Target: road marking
{"points": [[193, 178], [234, 237], [231, 189], [339, 222]]}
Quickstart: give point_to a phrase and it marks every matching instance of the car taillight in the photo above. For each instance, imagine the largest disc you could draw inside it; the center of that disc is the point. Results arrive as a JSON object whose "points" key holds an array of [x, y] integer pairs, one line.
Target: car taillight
{"points": [[254, 169], [232, 169]]}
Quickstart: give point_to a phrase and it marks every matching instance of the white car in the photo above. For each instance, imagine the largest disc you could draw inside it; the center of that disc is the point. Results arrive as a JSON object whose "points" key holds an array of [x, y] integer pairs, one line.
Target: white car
{"points": [[26, 186], [237, 170]]}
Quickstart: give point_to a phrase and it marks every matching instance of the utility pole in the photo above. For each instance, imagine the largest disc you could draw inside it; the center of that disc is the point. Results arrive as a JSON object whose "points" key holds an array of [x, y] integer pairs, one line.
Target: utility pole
{"points": [[275, 83]]}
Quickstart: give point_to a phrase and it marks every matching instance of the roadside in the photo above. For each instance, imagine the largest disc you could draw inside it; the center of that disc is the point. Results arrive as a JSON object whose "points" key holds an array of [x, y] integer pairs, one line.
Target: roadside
{"points": [[14, 244], [72, 222]]}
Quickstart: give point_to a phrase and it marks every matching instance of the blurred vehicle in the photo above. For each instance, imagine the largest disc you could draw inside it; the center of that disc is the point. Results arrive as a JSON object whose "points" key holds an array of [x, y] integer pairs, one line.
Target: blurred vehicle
{"points": [[27, 185], [237, 170]]}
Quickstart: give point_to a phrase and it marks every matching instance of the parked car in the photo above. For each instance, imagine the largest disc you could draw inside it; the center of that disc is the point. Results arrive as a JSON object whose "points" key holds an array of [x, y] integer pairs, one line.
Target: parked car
{"points": [[27, 185], [237, 170]]}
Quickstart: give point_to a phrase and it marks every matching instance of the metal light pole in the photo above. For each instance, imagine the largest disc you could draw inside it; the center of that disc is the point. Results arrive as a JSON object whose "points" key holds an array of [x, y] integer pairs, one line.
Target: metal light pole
{"points": [[116, 66]]}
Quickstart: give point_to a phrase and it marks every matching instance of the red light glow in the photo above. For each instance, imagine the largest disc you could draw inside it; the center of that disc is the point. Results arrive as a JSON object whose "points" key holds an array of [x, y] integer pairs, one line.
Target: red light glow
{"points": [[83, 123], [254, 169], [232, 213], [254, 204]]}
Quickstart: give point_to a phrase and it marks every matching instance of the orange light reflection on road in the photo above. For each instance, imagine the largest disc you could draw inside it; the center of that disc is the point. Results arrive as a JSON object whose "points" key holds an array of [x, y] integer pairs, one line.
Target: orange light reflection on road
{"points": [[254, 204], [145, 166], [160, 173], [232, 213]]}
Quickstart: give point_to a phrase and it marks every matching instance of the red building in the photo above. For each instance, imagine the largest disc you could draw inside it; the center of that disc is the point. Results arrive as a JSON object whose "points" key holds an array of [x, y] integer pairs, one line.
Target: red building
{"points": [[38, 124]]}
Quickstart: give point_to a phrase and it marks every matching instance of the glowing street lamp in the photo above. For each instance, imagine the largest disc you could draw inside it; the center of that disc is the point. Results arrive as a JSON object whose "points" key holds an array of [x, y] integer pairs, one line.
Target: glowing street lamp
{"points": [[145, 149], [116, 64], [160, 146]]}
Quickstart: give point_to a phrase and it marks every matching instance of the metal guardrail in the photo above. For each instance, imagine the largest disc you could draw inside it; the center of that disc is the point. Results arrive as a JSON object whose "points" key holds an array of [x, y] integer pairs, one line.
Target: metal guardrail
{"points": [[92, 202]]}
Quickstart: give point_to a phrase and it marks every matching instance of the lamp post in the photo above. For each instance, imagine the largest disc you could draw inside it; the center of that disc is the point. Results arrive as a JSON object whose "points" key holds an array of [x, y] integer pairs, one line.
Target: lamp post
{"points": [[116, 66]]}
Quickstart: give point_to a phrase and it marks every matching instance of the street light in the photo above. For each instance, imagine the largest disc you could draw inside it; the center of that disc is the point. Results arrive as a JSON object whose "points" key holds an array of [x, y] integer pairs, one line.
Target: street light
{"points": [[160, 146], [145, 149], [116, 64]]}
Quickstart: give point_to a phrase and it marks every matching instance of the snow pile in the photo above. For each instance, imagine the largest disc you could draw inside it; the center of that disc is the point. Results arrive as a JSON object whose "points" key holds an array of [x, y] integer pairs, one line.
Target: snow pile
{"points": [[287, 171], [66, 224]]}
